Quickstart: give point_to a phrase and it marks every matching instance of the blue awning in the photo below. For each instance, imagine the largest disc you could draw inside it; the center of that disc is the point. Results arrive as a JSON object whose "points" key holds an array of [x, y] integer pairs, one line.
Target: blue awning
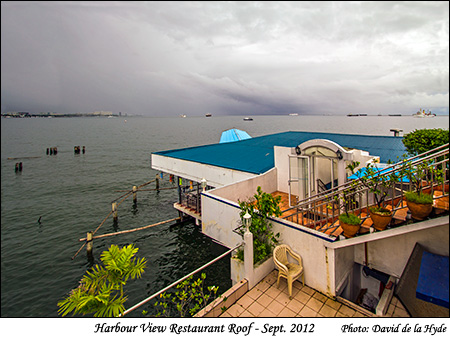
{"points": [[233, 135]]}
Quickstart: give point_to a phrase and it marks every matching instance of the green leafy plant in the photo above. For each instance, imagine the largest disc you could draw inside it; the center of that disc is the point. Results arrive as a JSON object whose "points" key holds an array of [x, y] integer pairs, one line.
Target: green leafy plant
{"points": [[420, 173], [378, 183], [419, 198], [260, 207], [189, 298], [380, 210], [422, 140], [350, 218], [345, 200], [101, 290]]}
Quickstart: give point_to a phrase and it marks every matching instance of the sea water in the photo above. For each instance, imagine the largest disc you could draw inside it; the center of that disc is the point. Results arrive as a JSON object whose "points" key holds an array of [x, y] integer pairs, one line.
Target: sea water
{"points": [[48, 206]]}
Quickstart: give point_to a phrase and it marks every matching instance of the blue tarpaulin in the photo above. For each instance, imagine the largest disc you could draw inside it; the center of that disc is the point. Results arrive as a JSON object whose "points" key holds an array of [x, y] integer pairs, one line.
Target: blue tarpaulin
{"points": [[432, 285], [233, 135]]}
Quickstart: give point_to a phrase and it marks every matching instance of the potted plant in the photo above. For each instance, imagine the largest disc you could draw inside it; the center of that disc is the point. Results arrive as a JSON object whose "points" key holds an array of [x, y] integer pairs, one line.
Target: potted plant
{"points": [[378, 183], [349, 222], [419, 203]]}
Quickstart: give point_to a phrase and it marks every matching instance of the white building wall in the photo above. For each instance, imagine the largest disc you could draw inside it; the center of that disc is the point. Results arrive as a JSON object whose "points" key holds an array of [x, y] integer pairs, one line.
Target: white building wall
{"points": [[215, 176], [220, 208], [318, 262]]}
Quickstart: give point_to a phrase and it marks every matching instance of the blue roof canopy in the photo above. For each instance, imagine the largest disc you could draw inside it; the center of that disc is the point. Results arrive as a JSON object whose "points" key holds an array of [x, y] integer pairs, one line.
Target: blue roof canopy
{"points": [[256, 155]]}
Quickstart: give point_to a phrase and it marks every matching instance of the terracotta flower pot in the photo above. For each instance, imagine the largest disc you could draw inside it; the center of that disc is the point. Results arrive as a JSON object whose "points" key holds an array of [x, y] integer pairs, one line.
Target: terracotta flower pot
{"points": [[349, 230], [419, 211], [380, 221]]}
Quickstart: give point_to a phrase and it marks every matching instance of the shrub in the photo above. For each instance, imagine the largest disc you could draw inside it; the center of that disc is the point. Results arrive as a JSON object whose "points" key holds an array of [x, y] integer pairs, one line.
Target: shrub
{"points": [[380, 210], [419, 198], [422, 140], [260, 207], [350, 218]]}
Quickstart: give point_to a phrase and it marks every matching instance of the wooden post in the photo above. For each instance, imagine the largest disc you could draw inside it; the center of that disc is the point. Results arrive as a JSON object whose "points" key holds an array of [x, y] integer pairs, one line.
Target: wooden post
{"points": [[157, 183], [89, 243], [180, 181], [114, 210], [134, 194]]}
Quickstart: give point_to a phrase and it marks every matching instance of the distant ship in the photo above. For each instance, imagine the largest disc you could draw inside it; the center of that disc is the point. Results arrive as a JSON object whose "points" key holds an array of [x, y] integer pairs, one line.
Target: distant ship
{"points": [[183, 116], [421, 113], [208, 115], [293, 114], [248, 119]]}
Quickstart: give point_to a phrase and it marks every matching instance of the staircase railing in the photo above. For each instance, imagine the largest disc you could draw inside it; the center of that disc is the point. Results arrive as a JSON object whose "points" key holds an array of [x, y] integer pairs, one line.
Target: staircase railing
{"points": [[321, 211]]}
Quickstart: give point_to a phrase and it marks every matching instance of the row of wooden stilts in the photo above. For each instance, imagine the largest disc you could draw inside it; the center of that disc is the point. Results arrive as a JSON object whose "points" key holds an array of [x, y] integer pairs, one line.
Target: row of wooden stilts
{"points": [[90, 236]]}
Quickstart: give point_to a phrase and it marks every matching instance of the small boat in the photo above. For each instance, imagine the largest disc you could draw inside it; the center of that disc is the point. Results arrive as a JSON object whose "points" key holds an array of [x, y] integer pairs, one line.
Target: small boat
{"points": [[183, 116], [248, 119], [208, 115], [293, 114]]}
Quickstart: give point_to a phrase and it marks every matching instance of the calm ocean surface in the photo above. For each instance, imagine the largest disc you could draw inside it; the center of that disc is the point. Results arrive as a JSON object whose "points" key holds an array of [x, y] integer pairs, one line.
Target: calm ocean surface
{"points": [[73, 193]]}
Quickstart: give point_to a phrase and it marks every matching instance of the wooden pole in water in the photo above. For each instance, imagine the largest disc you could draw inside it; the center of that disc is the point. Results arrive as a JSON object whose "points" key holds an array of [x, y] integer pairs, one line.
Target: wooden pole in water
{"points": [[114, 210], [89, 243], [157, 183], [128, 231], [134, 194]]}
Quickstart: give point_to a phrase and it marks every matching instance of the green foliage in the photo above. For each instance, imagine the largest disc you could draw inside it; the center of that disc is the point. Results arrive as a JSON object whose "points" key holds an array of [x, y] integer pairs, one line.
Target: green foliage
{"points": [[260, 207], [346, 199], [101, 290], [422, 140], [420, 172], [350, 218], [380, 210], [189, 298], [419, 198], [376, 182]]}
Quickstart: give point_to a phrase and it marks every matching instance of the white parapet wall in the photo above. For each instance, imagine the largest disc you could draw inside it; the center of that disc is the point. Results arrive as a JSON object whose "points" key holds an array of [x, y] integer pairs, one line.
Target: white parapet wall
{"points": [[195, 171], [220, 208]]}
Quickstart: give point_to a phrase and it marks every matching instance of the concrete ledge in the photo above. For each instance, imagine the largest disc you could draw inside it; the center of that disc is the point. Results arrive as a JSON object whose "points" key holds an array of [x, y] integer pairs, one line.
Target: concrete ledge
{"points": [[226, 300], [388, 233]]}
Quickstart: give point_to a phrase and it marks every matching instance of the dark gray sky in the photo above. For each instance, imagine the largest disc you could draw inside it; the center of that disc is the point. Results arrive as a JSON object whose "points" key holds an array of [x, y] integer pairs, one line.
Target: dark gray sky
{"points": [[172, 58]]}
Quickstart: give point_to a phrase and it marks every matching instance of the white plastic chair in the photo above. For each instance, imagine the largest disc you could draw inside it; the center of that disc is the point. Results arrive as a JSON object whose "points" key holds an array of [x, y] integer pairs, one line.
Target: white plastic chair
{"points": [[290, 271]]}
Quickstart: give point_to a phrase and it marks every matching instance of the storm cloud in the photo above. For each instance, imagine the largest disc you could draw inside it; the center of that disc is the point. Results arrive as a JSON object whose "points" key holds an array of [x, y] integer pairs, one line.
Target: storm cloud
{"points": [[226, 58]]}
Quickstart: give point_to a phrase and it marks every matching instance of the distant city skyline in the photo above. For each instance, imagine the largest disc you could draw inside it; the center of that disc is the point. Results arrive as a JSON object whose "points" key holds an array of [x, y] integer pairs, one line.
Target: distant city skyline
{"points": [[225, 58]]}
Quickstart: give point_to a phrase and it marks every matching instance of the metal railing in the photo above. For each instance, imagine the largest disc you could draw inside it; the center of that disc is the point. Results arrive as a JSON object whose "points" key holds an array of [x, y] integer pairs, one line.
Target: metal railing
{"points": [[179, 281], [321, 211]]}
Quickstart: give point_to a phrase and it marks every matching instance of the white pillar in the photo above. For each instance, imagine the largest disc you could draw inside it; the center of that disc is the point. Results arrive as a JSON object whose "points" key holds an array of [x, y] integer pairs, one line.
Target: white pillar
{"points": [[341, 172], [248, 258]]}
